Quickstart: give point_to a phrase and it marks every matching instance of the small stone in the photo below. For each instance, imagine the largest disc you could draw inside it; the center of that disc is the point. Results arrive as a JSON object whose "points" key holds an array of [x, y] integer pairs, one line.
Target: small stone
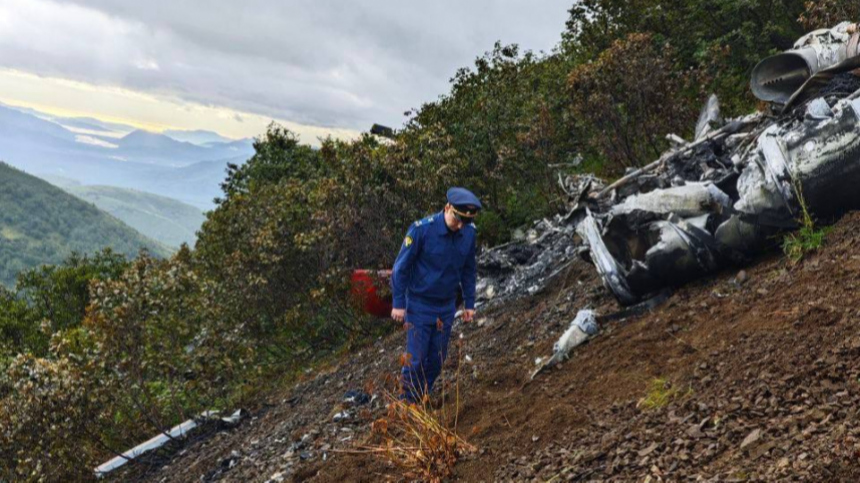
{"points": [[695, 432], [650, 449], [751, 438]]}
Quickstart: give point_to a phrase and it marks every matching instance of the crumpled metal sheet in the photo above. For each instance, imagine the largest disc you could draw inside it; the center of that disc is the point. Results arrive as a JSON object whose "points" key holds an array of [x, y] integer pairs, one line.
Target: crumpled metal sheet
{"points": [[523, 267], [824, 159], [688, 200], [580, 329], [709, 118], [665, 237], [611, 272], [179, 431]]}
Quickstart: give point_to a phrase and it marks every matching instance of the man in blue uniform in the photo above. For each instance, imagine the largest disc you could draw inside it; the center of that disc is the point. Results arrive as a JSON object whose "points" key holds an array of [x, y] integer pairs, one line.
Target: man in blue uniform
{"points": [[436, 262]]}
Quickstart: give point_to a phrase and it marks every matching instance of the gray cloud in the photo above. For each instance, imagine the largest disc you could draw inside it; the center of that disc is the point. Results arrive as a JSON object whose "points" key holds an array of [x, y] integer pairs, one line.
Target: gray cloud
{"points": [[336, 64]]}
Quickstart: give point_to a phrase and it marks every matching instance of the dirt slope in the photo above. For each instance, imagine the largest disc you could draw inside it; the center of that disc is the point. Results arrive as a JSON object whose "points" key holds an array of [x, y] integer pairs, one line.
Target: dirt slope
{"points": [[764, 379]]}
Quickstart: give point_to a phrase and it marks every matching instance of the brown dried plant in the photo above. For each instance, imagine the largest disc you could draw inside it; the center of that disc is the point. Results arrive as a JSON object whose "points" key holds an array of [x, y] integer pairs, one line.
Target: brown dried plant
{"points": [[418, 439]]}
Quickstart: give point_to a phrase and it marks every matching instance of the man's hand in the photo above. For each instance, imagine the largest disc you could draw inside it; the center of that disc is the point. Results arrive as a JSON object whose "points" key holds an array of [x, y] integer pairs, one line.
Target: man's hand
{"points": [[399, 315], [468, 315]]}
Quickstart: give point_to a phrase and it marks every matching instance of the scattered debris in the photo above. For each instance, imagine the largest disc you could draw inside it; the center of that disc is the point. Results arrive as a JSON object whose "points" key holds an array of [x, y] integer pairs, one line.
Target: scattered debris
{"points": [[177, 432], [710, 203], [341, 416], [356, 398], [582, 327], [520, 268]]}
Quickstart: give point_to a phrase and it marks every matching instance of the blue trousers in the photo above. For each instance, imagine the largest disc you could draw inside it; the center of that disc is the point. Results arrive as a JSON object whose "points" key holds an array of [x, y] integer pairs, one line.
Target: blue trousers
{"points": [[426, 350]]}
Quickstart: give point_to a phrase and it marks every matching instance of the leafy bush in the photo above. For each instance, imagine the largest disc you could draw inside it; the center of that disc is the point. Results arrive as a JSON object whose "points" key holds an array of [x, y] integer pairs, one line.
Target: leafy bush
{"points": [[50, 300], [724, 40], [48, 425], [629, 99], [827, 13]]}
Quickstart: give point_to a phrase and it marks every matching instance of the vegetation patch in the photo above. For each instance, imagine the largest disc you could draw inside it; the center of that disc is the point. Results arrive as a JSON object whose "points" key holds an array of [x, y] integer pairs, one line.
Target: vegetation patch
{"points": [[419, 440], [808, 238], [41, 224], [10, 233], [660, 393]]}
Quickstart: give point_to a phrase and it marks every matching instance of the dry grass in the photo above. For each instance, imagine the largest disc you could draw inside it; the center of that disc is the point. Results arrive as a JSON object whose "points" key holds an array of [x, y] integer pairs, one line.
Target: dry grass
{"points": [[422, 442]]}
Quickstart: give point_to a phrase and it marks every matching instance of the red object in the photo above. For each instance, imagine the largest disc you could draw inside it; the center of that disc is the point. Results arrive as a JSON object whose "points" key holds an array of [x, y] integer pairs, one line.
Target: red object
{"points": [[369, 289]]}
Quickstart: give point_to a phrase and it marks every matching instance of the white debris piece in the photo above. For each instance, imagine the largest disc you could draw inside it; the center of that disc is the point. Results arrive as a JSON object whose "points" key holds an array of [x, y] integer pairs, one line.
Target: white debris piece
{"points": [[582, 327], [154, 443], [341, 416], [692, 199]]}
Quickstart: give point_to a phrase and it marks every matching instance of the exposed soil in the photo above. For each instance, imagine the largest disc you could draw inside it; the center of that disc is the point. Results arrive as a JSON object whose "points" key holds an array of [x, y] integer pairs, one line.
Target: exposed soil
{"points": [[761, 368]]}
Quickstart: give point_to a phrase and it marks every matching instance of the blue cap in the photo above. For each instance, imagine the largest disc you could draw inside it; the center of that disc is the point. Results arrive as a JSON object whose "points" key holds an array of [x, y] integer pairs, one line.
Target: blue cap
{"points": [[464, 199]]}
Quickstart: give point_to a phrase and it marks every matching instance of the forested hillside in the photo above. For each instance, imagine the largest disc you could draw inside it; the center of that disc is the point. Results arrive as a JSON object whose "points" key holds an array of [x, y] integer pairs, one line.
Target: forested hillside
{"points": [[162, 219], [263, 295], [41, 224]]}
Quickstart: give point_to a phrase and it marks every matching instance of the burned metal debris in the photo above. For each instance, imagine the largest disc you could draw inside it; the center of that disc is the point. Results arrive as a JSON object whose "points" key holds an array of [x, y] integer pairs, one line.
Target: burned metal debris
{"points": [[712, 202], [525, 265], [728, 209], [814, 59], [580, 329], [178, 432]]}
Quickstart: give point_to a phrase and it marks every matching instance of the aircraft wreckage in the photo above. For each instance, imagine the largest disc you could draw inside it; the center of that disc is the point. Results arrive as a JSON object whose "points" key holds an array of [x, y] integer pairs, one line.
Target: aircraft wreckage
{"points": [[717, 200], [720, 199]]}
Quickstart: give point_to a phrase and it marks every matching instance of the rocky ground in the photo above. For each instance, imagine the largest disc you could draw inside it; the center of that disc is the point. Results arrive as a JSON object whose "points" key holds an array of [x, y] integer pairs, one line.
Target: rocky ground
{"points": [[750, 376]]}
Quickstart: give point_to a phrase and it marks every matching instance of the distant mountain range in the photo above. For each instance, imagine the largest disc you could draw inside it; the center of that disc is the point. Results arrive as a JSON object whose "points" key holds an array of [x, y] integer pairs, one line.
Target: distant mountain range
{"points": [[188, 166], [163, 219], [198, 137], [42, 224]]}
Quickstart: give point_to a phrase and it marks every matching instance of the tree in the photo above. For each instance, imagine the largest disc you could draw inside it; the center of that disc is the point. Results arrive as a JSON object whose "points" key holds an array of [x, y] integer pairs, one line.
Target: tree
{"points": [[629, 99]]}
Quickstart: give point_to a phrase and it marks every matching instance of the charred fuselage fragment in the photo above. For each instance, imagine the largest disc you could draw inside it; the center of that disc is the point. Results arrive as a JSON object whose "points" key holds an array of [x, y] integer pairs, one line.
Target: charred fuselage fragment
{"points": [[667, 236]]}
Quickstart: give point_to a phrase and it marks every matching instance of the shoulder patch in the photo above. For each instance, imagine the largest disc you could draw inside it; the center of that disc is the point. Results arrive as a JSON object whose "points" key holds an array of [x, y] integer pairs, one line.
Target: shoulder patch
{"points": [[407, 241], [424, 221]]}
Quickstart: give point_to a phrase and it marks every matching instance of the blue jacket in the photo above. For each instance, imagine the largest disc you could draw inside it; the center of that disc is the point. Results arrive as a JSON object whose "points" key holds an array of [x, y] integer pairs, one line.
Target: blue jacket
{"points": [[434, 263]]}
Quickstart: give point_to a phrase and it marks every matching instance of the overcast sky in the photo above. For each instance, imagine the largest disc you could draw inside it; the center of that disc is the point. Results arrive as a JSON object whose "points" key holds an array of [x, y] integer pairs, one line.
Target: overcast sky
{"points": [[234, 65]]}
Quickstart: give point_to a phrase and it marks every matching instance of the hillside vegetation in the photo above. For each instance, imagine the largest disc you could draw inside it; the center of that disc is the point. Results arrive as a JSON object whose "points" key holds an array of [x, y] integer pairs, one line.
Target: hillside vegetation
{"points": [[163, 219], [41, 224], [262, 296]]}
